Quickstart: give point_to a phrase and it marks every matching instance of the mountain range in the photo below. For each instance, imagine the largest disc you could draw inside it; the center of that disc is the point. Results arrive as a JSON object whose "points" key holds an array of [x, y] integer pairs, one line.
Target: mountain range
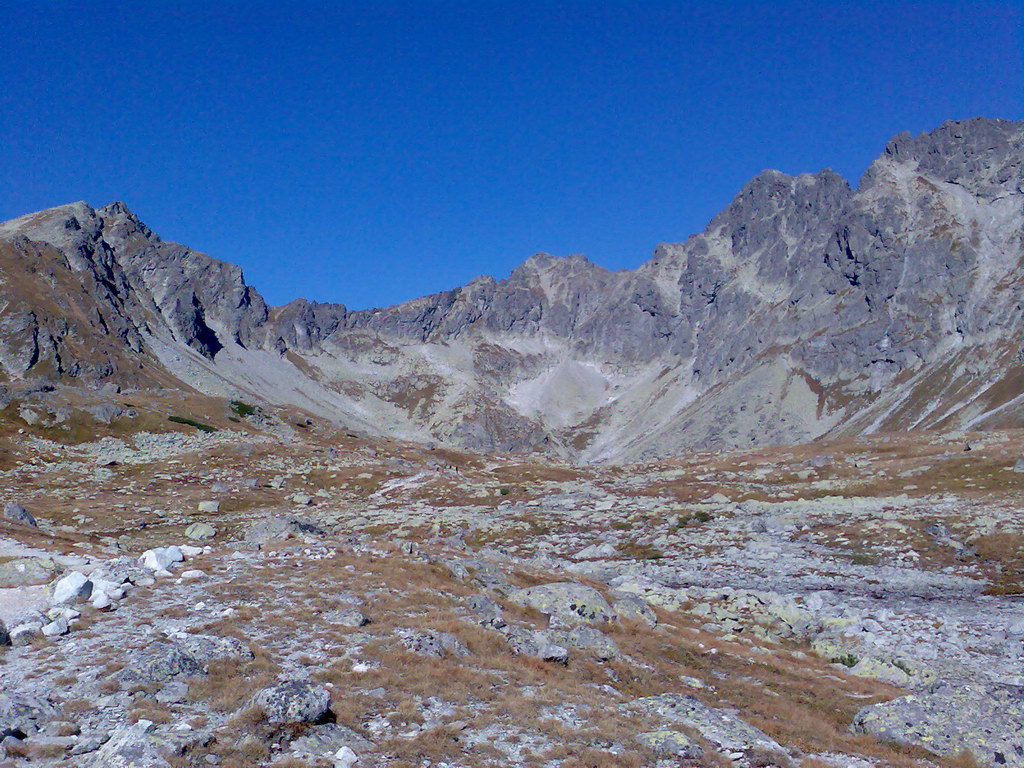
{"points": [[806, 308]]}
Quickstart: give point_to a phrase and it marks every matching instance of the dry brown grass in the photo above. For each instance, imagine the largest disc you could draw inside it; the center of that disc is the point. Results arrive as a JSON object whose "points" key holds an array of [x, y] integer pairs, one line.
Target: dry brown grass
{"points": [[144, 708], [1004, 553], [231, 682]]}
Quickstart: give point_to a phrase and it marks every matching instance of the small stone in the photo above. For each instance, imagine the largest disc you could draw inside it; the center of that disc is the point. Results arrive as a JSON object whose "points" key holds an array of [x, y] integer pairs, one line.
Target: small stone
{"points": [[209, 507]]}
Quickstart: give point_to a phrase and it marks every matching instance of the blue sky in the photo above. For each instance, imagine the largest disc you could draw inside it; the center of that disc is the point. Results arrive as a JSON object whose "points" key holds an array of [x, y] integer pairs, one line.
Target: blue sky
{"points": [[372, 152]]}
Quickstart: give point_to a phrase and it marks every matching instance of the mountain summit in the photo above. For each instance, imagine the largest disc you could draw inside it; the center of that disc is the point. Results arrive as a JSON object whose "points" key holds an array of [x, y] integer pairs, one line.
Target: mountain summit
{"points": [[805, 308]]}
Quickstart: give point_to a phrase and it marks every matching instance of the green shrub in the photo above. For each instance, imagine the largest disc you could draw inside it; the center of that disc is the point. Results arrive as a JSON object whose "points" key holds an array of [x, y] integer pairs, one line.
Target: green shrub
{"points": [[242, 409], [192, 423]]}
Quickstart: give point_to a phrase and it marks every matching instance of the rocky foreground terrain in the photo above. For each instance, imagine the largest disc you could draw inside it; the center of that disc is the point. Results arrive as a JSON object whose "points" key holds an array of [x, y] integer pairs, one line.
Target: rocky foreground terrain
{"points": [[188, 581], [537, 521], [806, 308]]}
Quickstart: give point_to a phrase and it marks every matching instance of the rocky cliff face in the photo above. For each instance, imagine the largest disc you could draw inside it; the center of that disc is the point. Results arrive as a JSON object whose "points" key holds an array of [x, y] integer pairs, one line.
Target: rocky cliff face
{"points": [[805, 308]]}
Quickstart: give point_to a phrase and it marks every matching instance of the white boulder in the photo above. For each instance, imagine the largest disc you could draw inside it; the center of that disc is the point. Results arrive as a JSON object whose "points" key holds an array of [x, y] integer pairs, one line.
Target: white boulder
{"points": [[55, 628], [161, 558], [345, 758], [72, 588]]}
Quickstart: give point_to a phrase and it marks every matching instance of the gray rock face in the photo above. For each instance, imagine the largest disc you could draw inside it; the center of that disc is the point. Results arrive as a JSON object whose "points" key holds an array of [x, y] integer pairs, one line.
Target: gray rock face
{"points": [[721, 728], [987, 720], [132, 747], [666, 743], [805, 308], [23, 714], [207, 648], [27, 571]]}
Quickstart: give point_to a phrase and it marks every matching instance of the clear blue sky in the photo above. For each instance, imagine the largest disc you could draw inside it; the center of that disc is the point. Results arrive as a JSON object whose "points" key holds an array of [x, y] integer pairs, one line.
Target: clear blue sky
{"points": [[370, 152]]}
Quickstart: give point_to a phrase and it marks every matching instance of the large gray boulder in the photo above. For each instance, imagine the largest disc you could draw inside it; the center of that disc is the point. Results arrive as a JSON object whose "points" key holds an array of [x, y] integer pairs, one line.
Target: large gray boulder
{"points": [[987, 720], [145, 745], [534, 643], [283, 527], [565, 600], [207, 648], [293, 701], [587, 638], [430, 643], [18, 514], [158, 662], [327, 739], [200, 531], [134, 746]]}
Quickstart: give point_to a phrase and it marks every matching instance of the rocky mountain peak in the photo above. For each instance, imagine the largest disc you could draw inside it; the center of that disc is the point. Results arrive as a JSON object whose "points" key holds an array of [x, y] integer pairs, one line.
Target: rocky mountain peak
{"points": [[805, 308], [983, 155], [119, 218]]}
